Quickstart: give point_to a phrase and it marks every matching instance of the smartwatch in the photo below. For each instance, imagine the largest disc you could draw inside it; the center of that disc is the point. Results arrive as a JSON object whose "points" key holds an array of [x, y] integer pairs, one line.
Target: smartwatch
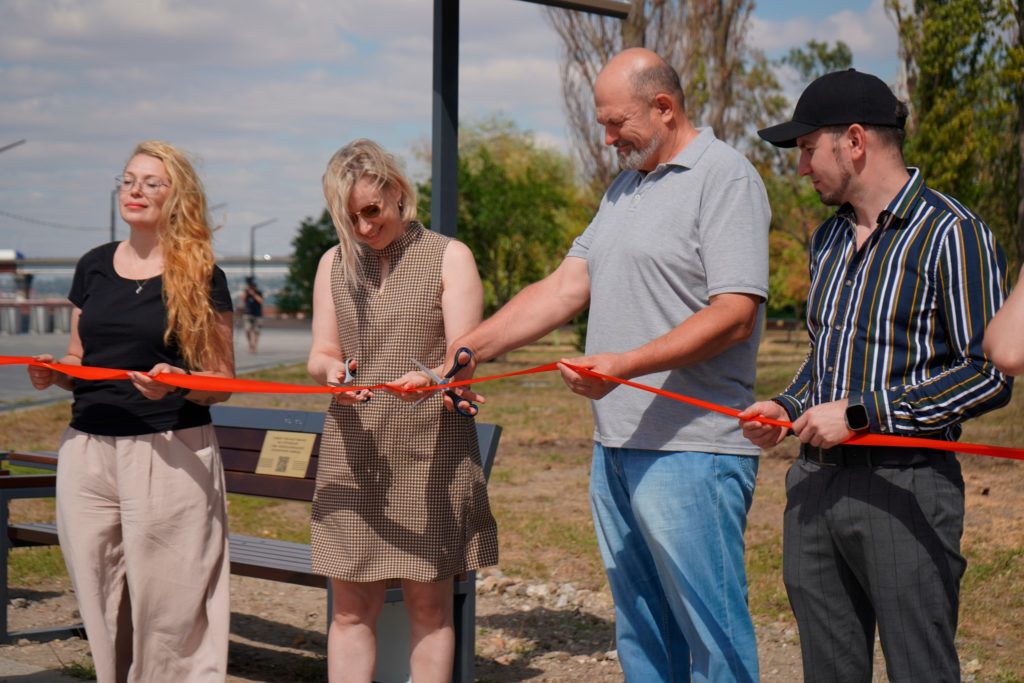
{"points": [[857, 418]]}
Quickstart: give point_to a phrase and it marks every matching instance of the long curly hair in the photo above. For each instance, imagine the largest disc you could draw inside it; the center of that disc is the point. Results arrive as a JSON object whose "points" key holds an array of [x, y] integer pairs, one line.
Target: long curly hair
{"points": [[355, 161], [186, 240]]}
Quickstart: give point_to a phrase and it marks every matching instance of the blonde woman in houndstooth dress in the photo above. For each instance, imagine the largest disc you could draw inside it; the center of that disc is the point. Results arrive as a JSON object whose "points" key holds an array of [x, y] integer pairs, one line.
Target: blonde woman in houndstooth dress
{"points": [[400, 492]]}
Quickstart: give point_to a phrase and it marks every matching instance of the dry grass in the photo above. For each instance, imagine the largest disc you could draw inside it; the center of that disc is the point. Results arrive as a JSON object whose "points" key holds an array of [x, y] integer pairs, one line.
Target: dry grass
{"points": [[539, 495]]}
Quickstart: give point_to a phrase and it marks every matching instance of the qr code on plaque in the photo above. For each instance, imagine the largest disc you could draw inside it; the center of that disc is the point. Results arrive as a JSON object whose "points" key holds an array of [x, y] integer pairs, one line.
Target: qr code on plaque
{"points": [[282, 465]]}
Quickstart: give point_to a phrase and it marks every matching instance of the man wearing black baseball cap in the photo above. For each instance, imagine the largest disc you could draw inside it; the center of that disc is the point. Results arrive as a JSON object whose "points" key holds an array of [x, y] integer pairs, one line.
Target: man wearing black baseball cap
{"points": [[904, 280]]}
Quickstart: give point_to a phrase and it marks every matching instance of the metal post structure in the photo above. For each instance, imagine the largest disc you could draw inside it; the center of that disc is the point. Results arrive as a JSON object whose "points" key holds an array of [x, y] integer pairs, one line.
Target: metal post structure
{"points": [[252, 244], [113, 214], [12, 145], [617, 9], [444, 197]]}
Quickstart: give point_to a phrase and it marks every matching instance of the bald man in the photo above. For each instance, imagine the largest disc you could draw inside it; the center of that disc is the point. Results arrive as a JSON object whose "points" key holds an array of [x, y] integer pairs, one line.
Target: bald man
{"points": [[674, 267]]}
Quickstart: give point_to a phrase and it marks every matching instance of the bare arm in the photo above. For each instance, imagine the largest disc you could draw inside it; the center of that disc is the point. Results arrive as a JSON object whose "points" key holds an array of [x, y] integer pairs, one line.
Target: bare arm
{"points": [[326, 357], [42, 378], [1004, 341], [728, 320], [532, 313]]}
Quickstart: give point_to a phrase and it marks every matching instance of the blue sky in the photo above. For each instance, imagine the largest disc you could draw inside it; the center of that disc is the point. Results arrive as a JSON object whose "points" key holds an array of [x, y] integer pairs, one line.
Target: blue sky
{"points": [[263, 92]]}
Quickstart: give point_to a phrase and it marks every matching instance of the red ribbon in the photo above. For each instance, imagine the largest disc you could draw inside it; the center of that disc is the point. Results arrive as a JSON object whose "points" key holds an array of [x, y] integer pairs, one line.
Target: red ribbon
{"points": [[224, 384]]}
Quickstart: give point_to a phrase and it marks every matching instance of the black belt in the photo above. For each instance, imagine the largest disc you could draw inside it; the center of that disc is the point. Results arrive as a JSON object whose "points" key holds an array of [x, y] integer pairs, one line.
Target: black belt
{"points": [[871, 456]]}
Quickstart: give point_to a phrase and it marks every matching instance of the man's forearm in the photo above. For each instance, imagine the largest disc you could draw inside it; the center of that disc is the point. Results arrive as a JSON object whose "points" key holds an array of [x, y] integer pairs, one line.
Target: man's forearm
{"points": [[533, 312], [527, 317], [705, 334]]}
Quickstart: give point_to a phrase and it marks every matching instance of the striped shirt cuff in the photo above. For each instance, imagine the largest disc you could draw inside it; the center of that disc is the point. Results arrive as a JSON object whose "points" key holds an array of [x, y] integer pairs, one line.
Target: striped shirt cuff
{"points": [[879, 411], [792, 406]]}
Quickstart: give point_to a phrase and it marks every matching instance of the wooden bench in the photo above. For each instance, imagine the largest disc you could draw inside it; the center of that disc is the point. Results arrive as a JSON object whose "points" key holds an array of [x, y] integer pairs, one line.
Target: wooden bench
{"points": [[240, 433]]}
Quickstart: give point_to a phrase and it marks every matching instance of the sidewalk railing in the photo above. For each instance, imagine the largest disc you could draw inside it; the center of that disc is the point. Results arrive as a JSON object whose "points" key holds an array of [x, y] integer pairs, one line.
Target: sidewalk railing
{"points": [[35, 316]]}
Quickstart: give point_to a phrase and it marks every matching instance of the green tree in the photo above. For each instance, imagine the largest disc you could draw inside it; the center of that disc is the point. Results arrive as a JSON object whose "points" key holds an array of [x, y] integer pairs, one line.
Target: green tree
{"points": [[520, 206], [310, 243], [963, 66]]}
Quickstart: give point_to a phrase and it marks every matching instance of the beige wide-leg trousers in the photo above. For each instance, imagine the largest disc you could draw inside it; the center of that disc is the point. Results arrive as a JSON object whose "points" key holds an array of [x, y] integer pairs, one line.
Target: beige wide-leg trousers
{"points": [[142, 525]]}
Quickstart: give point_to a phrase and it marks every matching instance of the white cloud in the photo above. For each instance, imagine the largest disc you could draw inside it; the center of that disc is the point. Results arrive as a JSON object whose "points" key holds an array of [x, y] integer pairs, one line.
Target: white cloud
{"points": [[263, 91], [870, 34]]}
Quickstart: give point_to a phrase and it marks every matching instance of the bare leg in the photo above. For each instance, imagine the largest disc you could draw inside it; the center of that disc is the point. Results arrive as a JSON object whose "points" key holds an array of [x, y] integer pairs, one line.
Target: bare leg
{"points": [[429, 606], [352, 641]]}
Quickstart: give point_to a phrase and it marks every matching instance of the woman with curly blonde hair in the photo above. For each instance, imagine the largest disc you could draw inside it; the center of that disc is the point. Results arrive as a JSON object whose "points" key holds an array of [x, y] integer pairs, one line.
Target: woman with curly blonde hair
{"points": [[140, 488]]}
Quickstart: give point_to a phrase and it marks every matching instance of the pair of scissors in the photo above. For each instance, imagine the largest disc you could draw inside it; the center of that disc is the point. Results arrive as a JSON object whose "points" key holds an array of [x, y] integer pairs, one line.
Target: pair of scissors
{"points": [[463, 406]]}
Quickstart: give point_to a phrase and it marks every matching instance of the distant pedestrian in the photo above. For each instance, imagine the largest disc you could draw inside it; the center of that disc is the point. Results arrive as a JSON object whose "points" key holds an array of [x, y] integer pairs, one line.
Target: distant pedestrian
{"points": [[253, 315]]}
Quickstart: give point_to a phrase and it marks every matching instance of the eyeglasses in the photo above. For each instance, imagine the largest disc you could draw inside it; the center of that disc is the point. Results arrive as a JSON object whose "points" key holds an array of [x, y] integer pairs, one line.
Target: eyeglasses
{"points": [[149, 185], [368, 213]]}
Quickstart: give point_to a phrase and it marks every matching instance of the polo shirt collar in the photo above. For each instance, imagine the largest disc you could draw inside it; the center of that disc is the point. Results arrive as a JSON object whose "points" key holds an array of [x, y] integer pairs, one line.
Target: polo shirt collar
{"points": [[686, 158], [689, 156]]}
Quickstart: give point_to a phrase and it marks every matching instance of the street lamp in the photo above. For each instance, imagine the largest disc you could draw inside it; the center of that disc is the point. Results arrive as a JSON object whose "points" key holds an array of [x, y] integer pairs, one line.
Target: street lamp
{"points": [[252, 245]]}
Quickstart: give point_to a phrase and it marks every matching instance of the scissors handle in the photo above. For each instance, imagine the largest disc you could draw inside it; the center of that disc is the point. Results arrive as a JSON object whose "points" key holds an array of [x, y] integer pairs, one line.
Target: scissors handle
{"points": [[350, 375], [457, 364], [463, 406]]}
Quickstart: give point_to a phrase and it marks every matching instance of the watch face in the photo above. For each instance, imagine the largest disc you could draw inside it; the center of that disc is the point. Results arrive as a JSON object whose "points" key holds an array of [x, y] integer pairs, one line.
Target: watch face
{"points": [[857, 418]]}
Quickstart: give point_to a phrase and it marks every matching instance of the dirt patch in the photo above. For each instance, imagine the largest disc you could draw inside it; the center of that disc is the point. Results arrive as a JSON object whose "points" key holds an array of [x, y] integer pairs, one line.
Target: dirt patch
{"points": [[525, 631]]}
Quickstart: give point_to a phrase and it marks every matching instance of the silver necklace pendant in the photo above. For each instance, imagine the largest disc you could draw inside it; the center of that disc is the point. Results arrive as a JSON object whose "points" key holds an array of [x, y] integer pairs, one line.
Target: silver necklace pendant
{"points": [[141, 284]]}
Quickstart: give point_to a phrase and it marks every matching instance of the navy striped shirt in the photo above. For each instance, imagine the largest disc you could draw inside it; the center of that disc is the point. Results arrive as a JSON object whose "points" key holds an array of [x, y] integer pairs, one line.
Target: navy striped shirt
{"points": [[900, 321]]}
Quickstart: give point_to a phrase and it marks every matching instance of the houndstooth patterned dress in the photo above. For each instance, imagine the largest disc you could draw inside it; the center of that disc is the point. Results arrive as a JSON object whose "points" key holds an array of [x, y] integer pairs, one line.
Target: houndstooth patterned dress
{"points": [[399, 490]]}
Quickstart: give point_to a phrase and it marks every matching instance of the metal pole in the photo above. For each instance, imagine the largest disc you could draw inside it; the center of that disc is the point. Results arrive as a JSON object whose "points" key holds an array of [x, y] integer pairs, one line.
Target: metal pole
{"points": [[12, 145], [252, 245], [445, 137], [113, 214]]}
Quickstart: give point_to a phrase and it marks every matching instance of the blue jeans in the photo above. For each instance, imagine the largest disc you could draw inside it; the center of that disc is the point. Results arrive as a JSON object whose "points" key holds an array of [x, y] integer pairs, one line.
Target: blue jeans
{"points": [[670, 526]]}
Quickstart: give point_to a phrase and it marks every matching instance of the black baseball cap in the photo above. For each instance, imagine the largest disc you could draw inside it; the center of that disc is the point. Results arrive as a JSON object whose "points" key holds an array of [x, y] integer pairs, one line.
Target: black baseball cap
{"points": [[840, 98]]}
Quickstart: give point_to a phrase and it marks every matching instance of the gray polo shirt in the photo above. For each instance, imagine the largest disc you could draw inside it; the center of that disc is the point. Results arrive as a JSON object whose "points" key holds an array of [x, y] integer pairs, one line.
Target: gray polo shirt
{"points": [[661, 244]]}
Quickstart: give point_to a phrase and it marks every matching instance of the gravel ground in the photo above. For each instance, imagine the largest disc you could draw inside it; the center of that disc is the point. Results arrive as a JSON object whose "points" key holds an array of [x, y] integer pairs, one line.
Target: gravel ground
{"points": [[525, 632]]}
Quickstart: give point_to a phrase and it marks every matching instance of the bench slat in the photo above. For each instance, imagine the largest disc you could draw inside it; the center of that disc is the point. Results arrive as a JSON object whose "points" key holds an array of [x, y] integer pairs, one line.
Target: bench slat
{"points": [[268, 486]]}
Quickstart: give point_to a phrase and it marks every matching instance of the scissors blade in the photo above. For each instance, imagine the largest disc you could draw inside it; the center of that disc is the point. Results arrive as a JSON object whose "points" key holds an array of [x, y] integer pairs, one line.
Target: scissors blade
{"points": [[433, 378]]}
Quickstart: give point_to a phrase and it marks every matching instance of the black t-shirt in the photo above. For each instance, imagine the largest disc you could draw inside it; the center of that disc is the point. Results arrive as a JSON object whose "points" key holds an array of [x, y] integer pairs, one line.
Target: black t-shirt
{"points": [[252, 304], [122, 328]]}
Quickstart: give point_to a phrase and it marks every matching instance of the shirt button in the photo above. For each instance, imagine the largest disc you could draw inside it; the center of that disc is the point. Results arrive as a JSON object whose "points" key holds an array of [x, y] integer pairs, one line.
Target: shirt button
{"points": [[839, 327], [829, 369], [849, 282]]}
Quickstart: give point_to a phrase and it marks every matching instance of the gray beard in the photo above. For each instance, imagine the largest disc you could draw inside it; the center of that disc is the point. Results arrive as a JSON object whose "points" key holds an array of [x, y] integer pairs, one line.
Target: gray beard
{"points": [[636, 158]]}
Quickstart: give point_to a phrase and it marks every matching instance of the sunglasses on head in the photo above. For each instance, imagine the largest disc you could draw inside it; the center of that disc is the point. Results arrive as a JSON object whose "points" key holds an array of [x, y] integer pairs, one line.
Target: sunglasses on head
{"points": [[368, 213]]}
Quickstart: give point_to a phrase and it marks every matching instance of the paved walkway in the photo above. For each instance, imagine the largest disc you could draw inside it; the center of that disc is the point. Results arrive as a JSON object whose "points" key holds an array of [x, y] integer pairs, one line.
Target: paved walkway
{"points": [[279, 345], [17, 672]]}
